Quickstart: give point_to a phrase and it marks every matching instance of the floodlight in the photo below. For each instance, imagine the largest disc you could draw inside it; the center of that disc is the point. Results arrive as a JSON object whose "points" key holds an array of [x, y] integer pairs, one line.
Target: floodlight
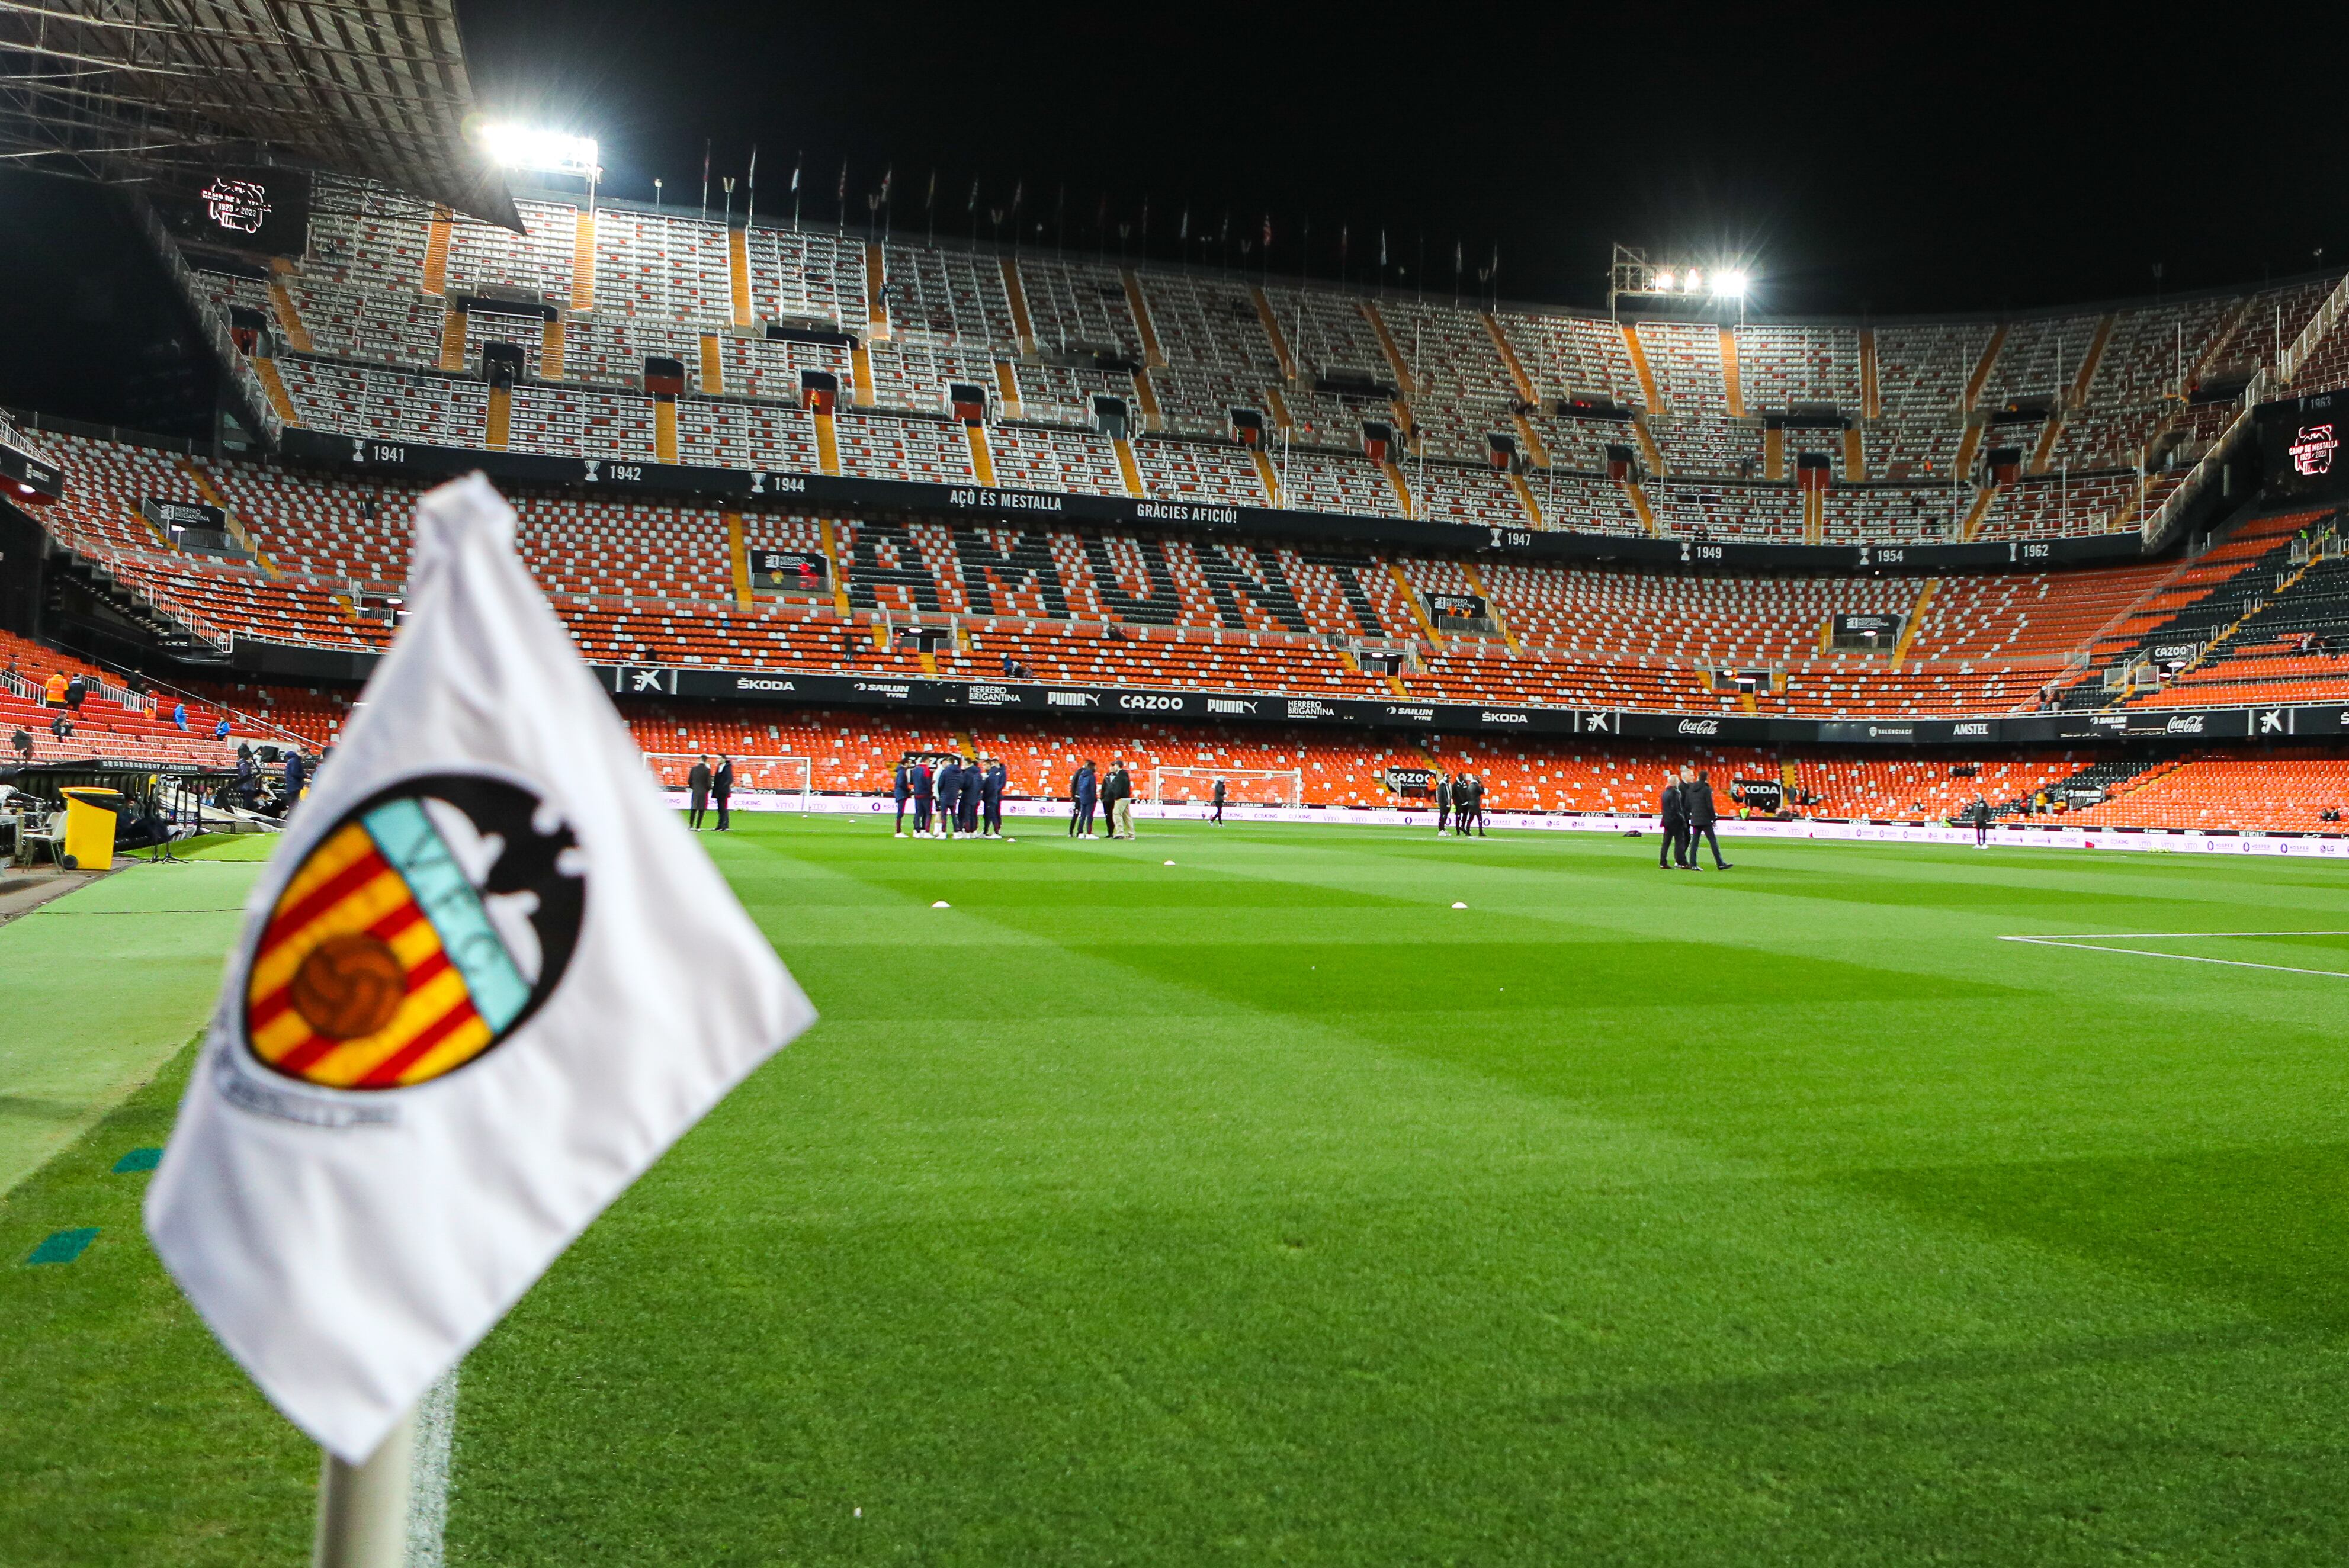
{"points": [[1694, 281], [548, 151], [1731, 286], [1664, 279]]}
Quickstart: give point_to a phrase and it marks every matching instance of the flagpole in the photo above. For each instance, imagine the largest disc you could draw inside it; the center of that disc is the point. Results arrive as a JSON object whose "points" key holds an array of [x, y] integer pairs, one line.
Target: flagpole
{"points": [[363, 1508]]}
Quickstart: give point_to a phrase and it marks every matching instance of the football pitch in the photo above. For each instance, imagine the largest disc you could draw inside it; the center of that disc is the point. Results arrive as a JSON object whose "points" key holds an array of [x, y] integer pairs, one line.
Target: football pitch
{"points": [[1267, 1207]]}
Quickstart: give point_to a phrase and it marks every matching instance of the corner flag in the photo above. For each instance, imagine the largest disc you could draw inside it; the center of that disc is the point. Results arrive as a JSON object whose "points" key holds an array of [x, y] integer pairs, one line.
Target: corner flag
{"points": [[487, 980]]}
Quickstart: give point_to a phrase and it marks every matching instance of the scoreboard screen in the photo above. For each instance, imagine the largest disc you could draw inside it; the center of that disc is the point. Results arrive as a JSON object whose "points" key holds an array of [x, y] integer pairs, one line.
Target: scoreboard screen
{"points": [[2300, 446], [266, 211], [790, 571]]}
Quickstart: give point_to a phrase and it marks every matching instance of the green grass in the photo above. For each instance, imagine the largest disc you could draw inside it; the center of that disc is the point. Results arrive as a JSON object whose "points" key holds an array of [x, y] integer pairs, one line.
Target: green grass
{"points": [[1263, 1207], [98, 988]]}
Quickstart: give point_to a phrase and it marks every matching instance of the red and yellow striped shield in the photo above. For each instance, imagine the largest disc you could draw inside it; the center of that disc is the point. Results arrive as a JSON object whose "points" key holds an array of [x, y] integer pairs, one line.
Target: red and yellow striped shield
{"points": [[351, 986]]}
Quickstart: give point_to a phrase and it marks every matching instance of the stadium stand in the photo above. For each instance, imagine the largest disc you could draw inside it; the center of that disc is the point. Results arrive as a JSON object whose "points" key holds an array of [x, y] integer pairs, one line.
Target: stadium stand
{"points": [[322, 564], [1904, 413], [1095, 379], [2285, 790]]}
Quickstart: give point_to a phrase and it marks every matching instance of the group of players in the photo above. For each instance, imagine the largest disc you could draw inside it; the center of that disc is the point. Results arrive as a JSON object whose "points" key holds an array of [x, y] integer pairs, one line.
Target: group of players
{"points": [[1460, 804], [962, 795]]}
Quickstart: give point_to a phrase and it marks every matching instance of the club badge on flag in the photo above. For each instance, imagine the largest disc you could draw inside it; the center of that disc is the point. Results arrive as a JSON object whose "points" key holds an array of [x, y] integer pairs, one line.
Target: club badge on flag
{"points": [[487, 980]]}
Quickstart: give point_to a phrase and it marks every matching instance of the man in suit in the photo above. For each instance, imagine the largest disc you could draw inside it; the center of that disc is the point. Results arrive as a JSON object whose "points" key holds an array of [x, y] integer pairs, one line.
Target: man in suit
{"points": [[1701, 817], [721, 792], [1443, 802], [922, 787], [973, 782], [1673, 808], [1080, 801], [990, 796], [1117, 794], [696, 791], [1219, 802], [949, 794], [903, 788]]}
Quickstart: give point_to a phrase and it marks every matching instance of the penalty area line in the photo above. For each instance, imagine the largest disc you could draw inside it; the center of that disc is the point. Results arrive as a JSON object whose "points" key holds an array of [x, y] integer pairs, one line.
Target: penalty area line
{"points": [[2192, 958]]}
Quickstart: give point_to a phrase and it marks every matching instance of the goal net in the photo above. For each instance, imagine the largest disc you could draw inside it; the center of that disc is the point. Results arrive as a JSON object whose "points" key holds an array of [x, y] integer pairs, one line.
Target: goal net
{"points": [[1242, 786], [752, 775]]}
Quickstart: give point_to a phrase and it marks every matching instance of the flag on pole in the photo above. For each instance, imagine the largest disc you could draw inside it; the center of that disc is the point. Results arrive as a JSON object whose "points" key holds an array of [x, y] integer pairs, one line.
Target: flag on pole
{"points": [[488, 979]]}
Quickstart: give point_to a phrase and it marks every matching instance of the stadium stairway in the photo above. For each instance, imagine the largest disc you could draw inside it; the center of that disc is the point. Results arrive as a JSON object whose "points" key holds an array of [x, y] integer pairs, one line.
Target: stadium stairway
{"points": [[289, 317], [1274, 336], [1016, 293], [1981, 377], [435, 280], [1152, 357]]}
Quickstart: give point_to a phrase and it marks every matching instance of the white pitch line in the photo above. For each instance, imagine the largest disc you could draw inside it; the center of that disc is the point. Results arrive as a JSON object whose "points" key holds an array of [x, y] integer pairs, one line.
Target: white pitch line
{"points": [[2159, 935], [2195, 958], [433, 1476]]}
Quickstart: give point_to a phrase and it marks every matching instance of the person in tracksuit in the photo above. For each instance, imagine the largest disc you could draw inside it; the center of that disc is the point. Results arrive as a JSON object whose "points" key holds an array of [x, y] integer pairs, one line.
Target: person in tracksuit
{"points": [[1082, 798], [973, 781], [903, 789], [1468, 807], [1701, 818], [1980, 812], [1673, 808], [1443, 802], [950, 795], [991, 795], [1219, 802], [922, 786]]}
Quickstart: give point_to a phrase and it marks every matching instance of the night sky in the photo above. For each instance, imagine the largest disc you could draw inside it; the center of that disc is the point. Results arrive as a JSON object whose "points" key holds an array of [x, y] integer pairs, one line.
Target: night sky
{"points": [[1985, 159]]}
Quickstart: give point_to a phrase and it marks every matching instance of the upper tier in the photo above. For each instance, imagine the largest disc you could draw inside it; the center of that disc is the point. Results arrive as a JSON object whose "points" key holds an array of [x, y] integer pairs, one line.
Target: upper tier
{"points": [[382, 330]]}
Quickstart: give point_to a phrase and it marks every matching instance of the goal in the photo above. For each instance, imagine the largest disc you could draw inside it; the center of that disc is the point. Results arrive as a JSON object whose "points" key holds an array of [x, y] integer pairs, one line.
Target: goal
{"points": [[794, 776], [1242, 786]]}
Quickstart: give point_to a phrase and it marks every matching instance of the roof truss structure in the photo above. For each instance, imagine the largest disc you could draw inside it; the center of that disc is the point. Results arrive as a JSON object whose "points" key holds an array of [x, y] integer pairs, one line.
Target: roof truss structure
{"points": [[128, 90]]}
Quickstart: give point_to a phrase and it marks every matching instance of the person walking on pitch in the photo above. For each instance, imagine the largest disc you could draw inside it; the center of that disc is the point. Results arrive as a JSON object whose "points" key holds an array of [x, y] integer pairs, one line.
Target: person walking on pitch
{"points": [[1673, 809], [1980, 812], [1219, 817], [1443, 802], [697, 793], [1701, 819]]}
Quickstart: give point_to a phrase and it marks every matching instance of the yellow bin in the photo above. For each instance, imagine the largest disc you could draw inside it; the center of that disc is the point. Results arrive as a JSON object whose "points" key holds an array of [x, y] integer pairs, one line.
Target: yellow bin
{"points": [[89, 827]]}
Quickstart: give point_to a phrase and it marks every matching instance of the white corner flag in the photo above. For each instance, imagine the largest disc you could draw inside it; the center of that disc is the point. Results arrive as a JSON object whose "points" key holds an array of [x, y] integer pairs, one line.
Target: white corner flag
{"points": [[487, 980]]}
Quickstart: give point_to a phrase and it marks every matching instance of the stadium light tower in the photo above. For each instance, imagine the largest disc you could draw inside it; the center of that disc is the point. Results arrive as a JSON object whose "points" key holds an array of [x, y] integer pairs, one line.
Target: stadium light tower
{"points": [[1695, 282], [541, 151]]}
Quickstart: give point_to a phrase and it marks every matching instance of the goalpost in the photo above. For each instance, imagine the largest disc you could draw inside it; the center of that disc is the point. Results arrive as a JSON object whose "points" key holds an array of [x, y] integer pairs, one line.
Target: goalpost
{"points": [[1242, 786], [794, 776]]}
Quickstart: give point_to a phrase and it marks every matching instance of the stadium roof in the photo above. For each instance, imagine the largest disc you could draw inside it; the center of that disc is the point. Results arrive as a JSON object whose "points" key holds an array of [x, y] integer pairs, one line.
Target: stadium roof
{"points": [[139, 89]]}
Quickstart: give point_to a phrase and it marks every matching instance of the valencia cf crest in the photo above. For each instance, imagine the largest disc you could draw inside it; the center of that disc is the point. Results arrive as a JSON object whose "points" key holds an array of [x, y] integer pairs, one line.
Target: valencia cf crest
{"points": [[419, 931]]}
